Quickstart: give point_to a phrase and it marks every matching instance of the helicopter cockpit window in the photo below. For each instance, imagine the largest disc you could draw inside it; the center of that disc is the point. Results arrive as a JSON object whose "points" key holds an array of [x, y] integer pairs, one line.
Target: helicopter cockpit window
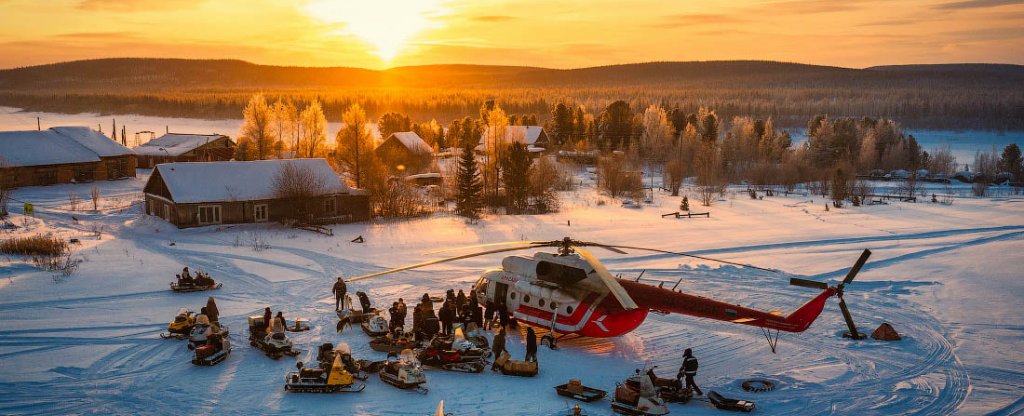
{"points": [[526, 298]]}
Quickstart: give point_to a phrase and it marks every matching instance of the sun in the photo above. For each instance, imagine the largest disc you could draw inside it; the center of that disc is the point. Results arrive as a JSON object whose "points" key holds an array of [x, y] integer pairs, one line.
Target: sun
{"points": [[387, 25]]}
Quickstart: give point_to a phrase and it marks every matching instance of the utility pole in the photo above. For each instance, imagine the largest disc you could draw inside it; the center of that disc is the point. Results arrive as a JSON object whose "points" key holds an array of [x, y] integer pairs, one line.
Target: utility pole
{"points": [[113, 129], [39, 125]]}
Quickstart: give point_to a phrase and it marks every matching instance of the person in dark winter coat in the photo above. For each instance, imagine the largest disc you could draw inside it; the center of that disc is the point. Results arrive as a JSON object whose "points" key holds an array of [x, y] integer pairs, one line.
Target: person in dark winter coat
{"points": [[689, 369], [503, 316], [267, 316], [395, 314], [531, 345], [460, 302], [447, 317], [339, 290], [498, 347], [477, 315], [488, 315], [450, 295]]}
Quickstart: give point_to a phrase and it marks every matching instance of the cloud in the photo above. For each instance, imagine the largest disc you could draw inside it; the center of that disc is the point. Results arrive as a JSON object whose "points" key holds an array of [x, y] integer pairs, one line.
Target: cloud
{"points": [[975, 4], [680, 20], [137, 5], [493, 18]]}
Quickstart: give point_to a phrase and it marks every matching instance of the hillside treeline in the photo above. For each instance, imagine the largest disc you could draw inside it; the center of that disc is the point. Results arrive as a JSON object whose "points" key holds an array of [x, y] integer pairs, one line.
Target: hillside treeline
{"points": [[943, 97]]}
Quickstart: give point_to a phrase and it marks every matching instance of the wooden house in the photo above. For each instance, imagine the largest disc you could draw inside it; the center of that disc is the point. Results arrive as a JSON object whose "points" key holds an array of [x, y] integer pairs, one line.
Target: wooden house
{"points": [[62, 155], [534, 137], [405, 151], [193, 194], [177, 147]]}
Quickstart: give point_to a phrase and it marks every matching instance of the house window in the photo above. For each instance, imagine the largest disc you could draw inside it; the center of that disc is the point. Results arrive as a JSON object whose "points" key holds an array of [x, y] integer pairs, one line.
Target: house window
{"points": [[260, 213], [209, 214], [329, 206]]}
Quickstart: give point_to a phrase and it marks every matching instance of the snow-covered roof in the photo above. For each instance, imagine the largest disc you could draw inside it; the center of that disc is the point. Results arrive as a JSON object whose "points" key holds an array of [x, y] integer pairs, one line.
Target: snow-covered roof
{"points": [[527, 135], [175, 144], [196, 182], [410, 140], [95, 141], [56, 146]]}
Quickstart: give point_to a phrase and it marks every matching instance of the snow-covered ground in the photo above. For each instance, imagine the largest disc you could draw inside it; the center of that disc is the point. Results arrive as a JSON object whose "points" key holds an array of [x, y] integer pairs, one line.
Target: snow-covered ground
{"points": [[946, 276]]}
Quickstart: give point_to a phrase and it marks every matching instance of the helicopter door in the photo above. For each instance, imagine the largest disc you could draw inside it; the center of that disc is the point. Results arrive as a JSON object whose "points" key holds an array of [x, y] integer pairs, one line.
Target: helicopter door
{"points": [[501, 294]]}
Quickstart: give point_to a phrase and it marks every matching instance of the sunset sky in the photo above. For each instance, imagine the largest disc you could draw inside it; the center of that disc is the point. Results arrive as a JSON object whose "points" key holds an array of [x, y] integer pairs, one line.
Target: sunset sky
{"points": [[558, 34]]}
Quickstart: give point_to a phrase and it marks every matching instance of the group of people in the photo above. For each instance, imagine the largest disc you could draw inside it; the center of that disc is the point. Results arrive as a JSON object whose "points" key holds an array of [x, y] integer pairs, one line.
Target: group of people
{"points": [[274, 325], [458, 308], [209, 317], [185, 279]]}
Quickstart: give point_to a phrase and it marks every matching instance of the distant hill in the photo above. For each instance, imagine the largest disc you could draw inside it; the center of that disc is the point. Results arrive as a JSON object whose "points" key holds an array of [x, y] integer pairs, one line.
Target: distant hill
{"points": [[955, 95]]}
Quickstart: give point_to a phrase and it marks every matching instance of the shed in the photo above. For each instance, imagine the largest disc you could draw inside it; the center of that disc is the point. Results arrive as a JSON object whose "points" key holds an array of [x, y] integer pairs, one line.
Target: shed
{"points": [[534, 137], [405, 151], [178, 147], [190, 194]]}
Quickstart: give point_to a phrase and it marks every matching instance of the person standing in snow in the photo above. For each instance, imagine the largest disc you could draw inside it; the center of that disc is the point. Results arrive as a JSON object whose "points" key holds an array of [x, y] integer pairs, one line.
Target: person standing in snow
{"points": [[280, 317], [267, 317], [689, 370], [339, 290], [498, 347], [531, 345], [460, 302], [488, 315], [446, 315]]}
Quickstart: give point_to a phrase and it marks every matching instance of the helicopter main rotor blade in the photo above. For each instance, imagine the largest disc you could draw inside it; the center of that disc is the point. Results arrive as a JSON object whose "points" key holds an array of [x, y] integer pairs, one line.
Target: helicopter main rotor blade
{"points": [[503, 243], [432, 262], [609, 281], [679, 253], [612, 249]]}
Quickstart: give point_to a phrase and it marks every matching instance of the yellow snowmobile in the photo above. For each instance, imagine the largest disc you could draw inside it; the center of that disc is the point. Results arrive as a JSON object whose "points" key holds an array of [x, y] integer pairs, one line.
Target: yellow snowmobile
{"points": [[181, 326], [317, 380]]}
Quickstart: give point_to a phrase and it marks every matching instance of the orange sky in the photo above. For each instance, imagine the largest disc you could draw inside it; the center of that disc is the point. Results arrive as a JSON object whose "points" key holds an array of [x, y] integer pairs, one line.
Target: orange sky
{"points": [[559, 34]]}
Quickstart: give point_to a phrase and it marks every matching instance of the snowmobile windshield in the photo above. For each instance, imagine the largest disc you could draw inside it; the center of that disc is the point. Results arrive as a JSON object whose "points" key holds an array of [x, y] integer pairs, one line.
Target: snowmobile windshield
{"points": [[407, 357], [183, 312], [646, 387], [343, 348]]}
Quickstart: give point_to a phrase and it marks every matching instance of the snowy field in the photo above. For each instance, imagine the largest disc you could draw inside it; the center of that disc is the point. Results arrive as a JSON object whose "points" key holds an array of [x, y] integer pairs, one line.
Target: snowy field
{"points": [[946, 276]]}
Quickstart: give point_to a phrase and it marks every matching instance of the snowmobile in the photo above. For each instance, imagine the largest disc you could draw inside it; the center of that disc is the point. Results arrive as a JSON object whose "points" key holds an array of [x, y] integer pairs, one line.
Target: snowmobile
{"points": [[375, 326], [510, 367], [393, 345], [202, 281], [359, 369], [638, 397], [181, 326], [725, 403], [197, 337], [440, 353], [405, 373], [670, 389], [472, 333], [216, 350], [351, 315], [274, 345], [332, 379]]}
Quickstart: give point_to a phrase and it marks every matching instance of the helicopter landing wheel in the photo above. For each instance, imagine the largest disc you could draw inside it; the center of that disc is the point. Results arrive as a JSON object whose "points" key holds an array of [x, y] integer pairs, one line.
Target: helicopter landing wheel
{"points": [[549, 341]]}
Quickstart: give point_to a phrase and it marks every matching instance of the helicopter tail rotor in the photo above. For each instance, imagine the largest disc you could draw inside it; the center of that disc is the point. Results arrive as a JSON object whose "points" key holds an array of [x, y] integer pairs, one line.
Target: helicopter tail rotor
{"points": [[852, 274]]}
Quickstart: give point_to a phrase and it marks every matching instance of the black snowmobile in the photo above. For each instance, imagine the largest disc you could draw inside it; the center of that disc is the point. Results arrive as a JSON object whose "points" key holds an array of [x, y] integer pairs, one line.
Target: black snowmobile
{"points": [[197, 337], [442, 354], [359, 369], [273, 345], [333, 379], [202, 281], [670, 389]]}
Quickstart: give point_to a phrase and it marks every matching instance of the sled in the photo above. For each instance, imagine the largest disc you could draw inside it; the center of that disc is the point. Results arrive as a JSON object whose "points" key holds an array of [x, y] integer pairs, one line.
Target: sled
{"points": [[165, 335], [301, 325], [194, 288], [578, 391], [725, 403], [375, 326], [201, 359]]}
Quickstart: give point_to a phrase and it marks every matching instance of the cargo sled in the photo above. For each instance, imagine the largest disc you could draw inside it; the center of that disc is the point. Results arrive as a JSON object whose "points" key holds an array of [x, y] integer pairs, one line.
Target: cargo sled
{"points": [[212, 353], [576, 390], [725, 403], [511, 367]]}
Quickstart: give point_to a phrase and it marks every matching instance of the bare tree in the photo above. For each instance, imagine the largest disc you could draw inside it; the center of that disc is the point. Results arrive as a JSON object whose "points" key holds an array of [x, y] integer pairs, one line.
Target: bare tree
{"points": [[619, 177], [709, 177], [314, 130], [675, 171], [94, 193], [74, 200], [298, 185], [355, 143]]}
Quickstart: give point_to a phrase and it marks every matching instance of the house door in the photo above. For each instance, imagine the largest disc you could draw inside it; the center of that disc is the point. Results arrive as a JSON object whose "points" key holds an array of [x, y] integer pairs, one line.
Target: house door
{"points": [[501, 294], [167, 213]]}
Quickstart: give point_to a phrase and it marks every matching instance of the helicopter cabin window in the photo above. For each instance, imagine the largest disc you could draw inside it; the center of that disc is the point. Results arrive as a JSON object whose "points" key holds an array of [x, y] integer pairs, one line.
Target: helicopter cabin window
{"points": [[512, 295], [541, 303], [554, 306], [568, 310], [526, 298]]}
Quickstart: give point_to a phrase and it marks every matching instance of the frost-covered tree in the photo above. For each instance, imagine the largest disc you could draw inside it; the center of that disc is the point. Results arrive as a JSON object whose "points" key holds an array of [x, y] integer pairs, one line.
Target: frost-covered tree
{"points": [[393, 122], [314, 130], [355, 143], [656, 136], [256, 128]]}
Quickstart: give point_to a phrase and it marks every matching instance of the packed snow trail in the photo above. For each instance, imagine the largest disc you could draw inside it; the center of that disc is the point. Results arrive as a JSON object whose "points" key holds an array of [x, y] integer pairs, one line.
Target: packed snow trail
{"points": [[91, 345]]}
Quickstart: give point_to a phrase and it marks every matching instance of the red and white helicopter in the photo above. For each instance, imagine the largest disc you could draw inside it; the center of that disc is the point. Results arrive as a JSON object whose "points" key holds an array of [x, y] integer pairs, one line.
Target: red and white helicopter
{"points": [[571, 292]]}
